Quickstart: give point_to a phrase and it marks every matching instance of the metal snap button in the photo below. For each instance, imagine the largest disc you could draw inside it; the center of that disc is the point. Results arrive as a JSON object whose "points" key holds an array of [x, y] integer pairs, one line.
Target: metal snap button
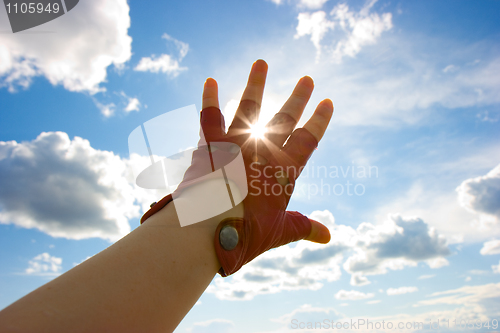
{"points": [[228, 237]]}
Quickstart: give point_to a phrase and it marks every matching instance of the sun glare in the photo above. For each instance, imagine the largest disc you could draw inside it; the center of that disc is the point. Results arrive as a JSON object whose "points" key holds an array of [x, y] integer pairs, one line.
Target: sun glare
{"points": [[257, 131]]}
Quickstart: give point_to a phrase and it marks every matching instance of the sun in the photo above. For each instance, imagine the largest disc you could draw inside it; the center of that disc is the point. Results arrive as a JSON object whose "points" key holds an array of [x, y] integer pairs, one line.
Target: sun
{"points": [[258, 131]]}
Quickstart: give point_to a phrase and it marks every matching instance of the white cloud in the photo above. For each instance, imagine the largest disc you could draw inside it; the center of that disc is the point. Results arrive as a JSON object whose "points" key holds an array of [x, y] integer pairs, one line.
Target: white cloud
{"points": [[308, 313], [359, 280], [66, 188], [371, 250], [325, 216], [397, 82], [377, 92], [107, 110], [127, 103], [76, 50], [432, 196], [181, 47], [437, 262], [311, 4], [486, 116], [374, 302], [133, 105], [481, 195], [476, 303], [496, 268], [213, 325], [360, 28], [316, 25], [352, 295], [401, 290], [78, 263], [491, 247], [399, 242], [478, 272], [165, 63], [450, 69], [481, 298], [305, 266], [302, 4], [423, 277], [44, 265]]}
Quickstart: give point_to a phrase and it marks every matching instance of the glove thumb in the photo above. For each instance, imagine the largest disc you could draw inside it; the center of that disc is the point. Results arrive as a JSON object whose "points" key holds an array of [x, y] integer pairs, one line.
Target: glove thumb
{"points": [[298, 226]]}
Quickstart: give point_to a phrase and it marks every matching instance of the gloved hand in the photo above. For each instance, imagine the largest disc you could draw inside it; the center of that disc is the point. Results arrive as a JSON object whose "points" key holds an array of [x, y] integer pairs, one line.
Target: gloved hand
{"points": [[271, 170]]}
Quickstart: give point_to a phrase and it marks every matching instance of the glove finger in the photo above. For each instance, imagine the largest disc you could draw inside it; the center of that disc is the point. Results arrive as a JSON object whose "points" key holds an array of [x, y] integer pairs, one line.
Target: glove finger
{"points": [[319, 233], [246, 115], [296, 227], [297, 152], [318, 123], [278, 129], [212, 124]]}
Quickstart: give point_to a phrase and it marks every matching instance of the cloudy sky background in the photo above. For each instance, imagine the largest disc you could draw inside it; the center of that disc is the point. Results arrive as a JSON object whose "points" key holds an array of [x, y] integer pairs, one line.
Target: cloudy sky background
{"points": [[407, 177]]}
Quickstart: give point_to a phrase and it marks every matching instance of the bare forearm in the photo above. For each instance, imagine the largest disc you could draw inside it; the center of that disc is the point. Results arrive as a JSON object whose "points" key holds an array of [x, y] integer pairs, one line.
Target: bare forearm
{"points": [[146, 282]]}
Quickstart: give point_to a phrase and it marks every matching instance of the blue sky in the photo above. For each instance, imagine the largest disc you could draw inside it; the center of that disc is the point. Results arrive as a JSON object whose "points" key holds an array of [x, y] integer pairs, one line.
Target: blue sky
{"points": [[415, 88]]}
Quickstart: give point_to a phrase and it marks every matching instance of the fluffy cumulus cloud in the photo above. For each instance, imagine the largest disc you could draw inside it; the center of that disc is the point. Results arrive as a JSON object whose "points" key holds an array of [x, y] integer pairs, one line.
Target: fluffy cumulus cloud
{"points": [[481, 195], [398, 243], [165, 63], [401, 290], [358, 29], [66, 188], [74, 50], [491, 247], [370, 249], [44, 265]]}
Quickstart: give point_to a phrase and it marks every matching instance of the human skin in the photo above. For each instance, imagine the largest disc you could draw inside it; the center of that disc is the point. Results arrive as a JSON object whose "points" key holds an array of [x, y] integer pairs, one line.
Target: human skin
{"points": [[150, 279]]}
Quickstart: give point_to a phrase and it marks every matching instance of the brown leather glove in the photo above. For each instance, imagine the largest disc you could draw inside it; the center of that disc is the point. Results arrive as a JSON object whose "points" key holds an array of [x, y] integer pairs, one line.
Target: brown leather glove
{"points": [[266, 223]]}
